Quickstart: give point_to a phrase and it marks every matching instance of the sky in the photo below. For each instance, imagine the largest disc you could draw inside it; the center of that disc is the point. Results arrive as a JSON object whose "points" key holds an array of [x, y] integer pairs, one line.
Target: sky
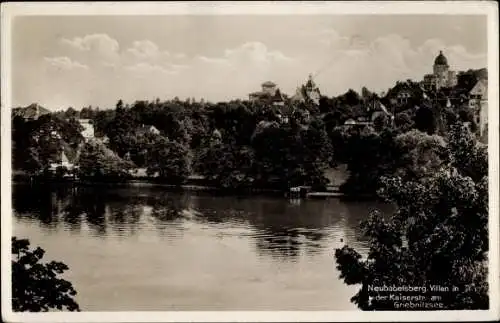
{"points": [[76, 61]]}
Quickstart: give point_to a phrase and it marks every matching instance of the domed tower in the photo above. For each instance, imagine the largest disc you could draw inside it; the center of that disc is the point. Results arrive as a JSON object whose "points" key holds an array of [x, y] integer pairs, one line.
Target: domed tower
{"points": [[441, 70]]}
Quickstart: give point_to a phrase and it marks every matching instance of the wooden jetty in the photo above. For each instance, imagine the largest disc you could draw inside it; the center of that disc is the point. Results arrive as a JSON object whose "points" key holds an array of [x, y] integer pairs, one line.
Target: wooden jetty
{"points": [[305, 192], [319, 195]]}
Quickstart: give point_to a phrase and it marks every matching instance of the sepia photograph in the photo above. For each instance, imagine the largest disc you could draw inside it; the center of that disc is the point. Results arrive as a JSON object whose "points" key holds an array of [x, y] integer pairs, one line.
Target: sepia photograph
{"points": [[259, 161]]}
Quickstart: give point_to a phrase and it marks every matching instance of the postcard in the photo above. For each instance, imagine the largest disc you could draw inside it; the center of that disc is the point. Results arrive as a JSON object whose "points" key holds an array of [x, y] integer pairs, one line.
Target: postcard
{"points": [[250, 161]]}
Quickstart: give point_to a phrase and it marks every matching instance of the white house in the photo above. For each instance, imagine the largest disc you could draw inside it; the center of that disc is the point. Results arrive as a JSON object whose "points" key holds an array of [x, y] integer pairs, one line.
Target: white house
{"points": [[154, 130], [88, 128], [63, 163], [144, 129]]}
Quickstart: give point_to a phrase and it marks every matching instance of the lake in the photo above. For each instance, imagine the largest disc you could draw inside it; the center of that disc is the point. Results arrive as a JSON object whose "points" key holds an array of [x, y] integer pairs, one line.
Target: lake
{"points": [[147, 249]]}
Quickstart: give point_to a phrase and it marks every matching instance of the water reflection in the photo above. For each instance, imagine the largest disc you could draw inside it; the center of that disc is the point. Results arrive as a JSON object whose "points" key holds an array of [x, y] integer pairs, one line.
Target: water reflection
{"points": [[280, 229], [159, 250]]}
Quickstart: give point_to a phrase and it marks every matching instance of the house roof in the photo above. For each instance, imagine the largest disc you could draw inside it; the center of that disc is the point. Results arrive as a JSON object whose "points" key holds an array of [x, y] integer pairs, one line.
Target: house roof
{"points": [[32, 111], [481, 88], [298, 96], [258, 93], [278, 96], [268, 84], [412, 87]]}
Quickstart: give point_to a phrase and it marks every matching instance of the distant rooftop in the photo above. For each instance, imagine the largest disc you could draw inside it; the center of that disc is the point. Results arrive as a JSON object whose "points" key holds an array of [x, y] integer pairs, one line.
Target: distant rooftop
{"points": [[33, 111], [268, 84]]}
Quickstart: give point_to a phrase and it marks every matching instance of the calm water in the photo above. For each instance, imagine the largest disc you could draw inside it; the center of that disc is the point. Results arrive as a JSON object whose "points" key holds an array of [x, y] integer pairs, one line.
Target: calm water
{"points": [[140, 248]]}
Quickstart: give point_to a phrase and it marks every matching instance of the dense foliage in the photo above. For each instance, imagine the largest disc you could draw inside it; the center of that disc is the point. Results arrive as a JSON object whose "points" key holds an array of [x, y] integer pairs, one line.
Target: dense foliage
{"points": [[246, 144], [438, 235], [97, 162], [36, 286]]}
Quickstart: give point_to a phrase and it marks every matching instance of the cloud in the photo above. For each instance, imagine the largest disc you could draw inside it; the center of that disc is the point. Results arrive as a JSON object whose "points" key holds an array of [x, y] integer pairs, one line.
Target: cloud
{"points": [[255, 52], [250, 54], [213, 60], [179, 55], [331, 38], [146, 68], [354, 62], [102, 70], [99, 45], [146, 49], [237, 71], [64, 63], [179, 67], [103, 51]]}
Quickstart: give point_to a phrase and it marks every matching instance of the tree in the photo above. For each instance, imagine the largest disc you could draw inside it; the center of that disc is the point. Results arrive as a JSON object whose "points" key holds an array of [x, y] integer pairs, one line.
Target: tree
{"points": [[316, 154], [102, 120], [227, 167], [369, 156], [426, 120], [98, 162], [403, 121], [350, 98], [437, 236], [37, 143], [380, 122], [36, 286], [171, 160], [121, 129], [467, 154], [419, 154], [467, 115], [326, 104], [466, 80]]}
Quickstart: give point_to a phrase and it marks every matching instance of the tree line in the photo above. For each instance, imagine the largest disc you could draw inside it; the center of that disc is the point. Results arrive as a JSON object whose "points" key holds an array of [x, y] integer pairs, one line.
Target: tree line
{"points": [[239, 144]]}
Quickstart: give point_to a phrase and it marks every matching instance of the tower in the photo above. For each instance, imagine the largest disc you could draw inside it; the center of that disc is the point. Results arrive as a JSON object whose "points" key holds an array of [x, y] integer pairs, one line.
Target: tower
{"points": [[441, 68]]}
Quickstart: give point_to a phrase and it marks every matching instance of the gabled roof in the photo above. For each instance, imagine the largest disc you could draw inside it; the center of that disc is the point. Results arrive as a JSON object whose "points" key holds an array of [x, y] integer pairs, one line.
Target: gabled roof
{"points": [[278, 96], [412, 87], [481, 88], [32, 111]]}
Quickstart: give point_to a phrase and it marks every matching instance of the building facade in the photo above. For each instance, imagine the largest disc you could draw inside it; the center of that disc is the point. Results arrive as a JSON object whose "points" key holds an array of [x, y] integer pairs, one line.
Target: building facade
{"points": [[309, 91], [270, 93], [64, 162], [88, 129], [478, 101], [442, 76]]}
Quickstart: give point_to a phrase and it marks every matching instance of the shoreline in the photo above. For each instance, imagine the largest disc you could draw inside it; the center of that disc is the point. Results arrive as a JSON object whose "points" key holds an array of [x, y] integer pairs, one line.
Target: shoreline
{"points": [[195, 184], [331, 192], [149, 183]]}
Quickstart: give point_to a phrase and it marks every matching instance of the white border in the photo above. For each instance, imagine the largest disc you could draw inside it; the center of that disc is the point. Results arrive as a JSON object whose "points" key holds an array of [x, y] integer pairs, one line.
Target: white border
{"points": [[488, 8]]}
